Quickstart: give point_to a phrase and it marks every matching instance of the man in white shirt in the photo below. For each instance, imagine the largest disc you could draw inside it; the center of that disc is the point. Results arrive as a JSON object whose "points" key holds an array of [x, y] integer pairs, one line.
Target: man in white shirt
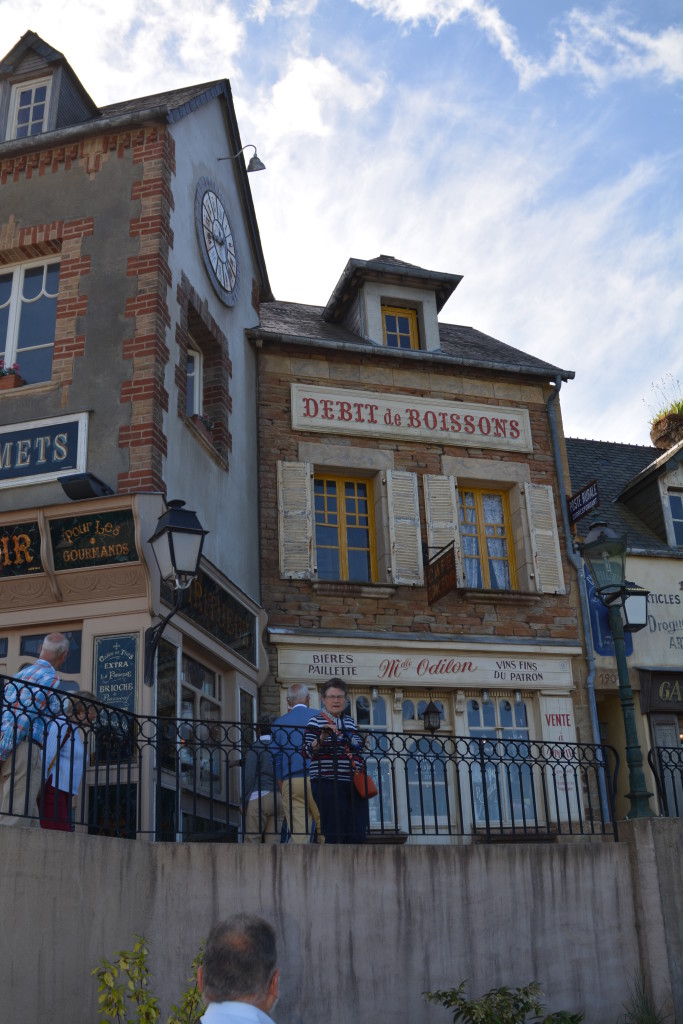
{"points": [[239, 977]]}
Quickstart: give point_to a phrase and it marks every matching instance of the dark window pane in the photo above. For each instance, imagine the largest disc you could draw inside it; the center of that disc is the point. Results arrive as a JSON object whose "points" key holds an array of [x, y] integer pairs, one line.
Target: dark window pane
{"points": [[37, 324], [328, 564], [40, 94], [23, 116], [359, 566], [25, 97], [403, 325], [392, 340], [36, 364], [52, 279], [33, 282]]}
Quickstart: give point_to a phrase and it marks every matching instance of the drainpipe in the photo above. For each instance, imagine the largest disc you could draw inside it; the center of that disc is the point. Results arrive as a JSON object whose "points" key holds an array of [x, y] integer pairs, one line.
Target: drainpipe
{"points": [[577, 562]]}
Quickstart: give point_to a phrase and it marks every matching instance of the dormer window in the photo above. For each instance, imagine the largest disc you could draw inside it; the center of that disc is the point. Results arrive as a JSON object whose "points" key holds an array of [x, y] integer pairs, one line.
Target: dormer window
{"points": [[400, 327], [676, 507], [28, 109]]}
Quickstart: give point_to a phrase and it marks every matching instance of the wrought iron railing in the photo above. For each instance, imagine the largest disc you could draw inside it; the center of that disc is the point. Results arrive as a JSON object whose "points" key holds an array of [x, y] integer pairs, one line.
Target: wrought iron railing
{"points": [[667, 768], [168, 779]]}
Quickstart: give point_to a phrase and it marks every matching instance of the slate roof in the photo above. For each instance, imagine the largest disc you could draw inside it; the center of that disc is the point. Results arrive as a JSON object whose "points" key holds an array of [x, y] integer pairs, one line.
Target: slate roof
{"points": [[296, 322], [613, 465], [389, 270]]}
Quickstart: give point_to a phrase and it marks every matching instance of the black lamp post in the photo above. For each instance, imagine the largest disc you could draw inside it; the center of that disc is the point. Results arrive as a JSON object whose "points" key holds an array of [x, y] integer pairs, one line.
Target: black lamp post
{"points": [[177, 545], [605, 552]]}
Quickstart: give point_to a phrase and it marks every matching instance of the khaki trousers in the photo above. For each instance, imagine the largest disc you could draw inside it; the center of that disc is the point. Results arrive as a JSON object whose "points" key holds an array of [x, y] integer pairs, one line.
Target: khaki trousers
{"points": [[25, 764], [267, 826], [300, 809]]}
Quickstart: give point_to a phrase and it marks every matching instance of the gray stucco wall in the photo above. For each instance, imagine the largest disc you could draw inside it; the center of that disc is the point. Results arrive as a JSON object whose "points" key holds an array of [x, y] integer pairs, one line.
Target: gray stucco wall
{"points": [[361, 932]]}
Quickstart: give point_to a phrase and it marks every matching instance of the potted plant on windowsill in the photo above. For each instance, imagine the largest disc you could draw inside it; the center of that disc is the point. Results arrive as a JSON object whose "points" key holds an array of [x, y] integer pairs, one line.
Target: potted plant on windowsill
{"points": [[10, 376], [666, 425], [204, 425]]}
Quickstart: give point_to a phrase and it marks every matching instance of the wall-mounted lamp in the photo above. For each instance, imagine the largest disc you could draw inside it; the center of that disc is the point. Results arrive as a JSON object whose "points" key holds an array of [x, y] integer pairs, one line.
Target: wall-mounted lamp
{"points": [[431, 716], [177, 545], [485, 696], [78, 486], [254, 164]]}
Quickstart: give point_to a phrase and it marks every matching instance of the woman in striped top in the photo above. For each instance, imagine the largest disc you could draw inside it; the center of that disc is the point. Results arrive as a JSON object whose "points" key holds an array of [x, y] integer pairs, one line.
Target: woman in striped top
{"points": [[331, 742]]}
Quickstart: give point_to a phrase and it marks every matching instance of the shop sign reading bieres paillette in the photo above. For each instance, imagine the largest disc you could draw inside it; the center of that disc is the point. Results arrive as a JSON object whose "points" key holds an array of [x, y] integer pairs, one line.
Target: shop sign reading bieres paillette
{"points": [[373, 414]]}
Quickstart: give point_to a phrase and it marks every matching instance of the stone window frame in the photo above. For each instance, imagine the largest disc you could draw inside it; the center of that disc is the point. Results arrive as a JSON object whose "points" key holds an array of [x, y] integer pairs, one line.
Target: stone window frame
{"points": [[196, 329]]}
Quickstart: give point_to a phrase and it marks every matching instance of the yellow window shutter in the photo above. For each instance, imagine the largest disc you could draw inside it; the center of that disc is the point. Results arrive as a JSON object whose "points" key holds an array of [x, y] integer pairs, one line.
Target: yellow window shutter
{"points": [[295, 520], [443, 517], [545, 541], [404, 528]]}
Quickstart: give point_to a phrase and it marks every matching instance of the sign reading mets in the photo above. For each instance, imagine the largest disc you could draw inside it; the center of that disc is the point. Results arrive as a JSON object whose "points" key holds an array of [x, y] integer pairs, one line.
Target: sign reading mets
{"points": [[370, 414], [33, 453]]}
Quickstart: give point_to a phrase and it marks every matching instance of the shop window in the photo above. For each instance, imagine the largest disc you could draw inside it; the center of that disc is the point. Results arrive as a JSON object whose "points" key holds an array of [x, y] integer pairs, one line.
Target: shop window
{"points": [[501, 729], [359, 529], [676, 508], [400, 327], [344, 529], [199, 756], [28, 110], [414, 712], [28, 315], [370, 714], [487, 556], [29, 647]]}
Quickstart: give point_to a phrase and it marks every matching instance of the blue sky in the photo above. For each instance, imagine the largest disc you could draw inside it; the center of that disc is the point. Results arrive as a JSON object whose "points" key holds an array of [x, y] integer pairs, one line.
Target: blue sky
{"points": [[531, 145]]}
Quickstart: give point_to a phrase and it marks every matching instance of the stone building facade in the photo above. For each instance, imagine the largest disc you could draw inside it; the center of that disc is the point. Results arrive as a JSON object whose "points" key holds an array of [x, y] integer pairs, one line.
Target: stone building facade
{"points": [[410, 505], [130, 267]]}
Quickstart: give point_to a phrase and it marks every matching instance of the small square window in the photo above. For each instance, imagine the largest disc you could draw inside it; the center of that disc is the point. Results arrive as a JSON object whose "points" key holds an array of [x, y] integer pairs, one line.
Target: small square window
{"points": [[400, 327], [28, 109]]}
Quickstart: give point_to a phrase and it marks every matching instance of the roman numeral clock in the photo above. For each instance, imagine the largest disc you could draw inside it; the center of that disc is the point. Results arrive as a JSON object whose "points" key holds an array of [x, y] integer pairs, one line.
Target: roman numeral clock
{"points": [[216, 241]]}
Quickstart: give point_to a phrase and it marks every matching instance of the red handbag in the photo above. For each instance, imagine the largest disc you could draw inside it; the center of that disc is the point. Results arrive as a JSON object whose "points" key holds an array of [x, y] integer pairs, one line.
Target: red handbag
{"points": [[365, 787]]}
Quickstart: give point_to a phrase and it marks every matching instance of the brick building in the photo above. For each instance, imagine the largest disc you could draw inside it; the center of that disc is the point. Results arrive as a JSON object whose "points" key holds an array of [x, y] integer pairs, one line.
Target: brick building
{"points": [[130, 266], [640, 493], [386, 438]]}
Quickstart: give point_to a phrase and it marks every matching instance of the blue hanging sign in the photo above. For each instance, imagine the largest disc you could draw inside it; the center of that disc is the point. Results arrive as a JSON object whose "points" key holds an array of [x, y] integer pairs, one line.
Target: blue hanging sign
{"points": [[603, 641]]}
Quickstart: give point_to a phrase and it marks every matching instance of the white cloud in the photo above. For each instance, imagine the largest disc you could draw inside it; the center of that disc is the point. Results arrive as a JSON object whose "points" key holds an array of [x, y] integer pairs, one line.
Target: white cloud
{"points": [[600, 47]]}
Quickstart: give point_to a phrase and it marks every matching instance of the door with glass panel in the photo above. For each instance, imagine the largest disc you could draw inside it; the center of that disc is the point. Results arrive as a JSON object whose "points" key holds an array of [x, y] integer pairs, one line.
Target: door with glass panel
{"points": [[500, 777], [430, 808], [370, 714]]}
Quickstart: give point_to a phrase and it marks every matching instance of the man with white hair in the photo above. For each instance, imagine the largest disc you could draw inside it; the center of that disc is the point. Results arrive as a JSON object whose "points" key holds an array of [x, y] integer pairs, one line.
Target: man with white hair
{"points": [[300, 808], [22, 733], [239, 977]]}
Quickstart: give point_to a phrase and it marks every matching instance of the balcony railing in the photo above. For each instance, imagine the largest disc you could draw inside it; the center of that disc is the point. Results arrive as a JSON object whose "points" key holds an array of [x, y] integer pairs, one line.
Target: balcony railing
{"points": [[170, 779], [667, 768]]}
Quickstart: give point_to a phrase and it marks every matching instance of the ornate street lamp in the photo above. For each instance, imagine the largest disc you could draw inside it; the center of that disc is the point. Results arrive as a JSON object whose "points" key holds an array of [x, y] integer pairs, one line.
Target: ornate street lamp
{"points": [[604, 551], [177, 545]]}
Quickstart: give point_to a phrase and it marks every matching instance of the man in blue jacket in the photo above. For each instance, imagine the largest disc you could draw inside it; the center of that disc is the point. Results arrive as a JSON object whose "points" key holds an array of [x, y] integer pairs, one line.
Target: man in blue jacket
{"points": [[300, 808]]}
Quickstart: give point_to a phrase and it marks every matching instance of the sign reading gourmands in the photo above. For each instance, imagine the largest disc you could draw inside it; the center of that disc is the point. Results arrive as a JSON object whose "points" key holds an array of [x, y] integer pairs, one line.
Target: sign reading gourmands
{"points": [[115, 670], [103, 538], [19, 550]]}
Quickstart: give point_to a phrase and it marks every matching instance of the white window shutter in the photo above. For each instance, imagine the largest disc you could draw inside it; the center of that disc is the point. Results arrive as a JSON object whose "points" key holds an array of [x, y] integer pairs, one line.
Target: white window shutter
{"points": [[545, 542], [443, 517], [404, 528], [295, 520]]}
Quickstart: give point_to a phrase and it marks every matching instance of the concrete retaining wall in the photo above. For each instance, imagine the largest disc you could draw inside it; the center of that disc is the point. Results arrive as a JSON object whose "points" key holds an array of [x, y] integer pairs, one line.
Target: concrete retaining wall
{"points": [[361, 931]]}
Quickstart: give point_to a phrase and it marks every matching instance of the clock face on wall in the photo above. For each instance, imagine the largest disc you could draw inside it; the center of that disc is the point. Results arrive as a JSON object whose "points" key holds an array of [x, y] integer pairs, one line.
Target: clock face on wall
{"points": [[216, 241]]}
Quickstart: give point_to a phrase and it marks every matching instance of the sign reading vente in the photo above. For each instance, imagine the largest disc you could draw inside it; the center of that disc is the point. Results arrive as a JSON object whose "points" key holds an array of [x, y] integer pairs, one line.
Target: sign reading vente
{"points": [[33, 453], [369, 414]]}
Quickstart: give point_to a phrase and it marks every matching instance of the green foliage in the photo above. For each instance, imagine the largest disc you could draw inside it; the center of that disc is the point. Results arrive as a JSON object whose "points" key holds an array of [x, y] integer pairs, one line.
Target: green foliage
{"points": [[500, 1006], [126, 980], [668, 396], [639, 1008]]}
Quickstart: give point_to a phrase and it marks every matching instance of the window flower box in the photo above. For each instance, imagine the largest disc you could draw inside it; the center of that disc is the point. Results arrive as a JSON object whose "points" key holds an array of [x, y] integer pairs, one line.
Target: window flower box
{"points": [[204, 426], [11, 380]]}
